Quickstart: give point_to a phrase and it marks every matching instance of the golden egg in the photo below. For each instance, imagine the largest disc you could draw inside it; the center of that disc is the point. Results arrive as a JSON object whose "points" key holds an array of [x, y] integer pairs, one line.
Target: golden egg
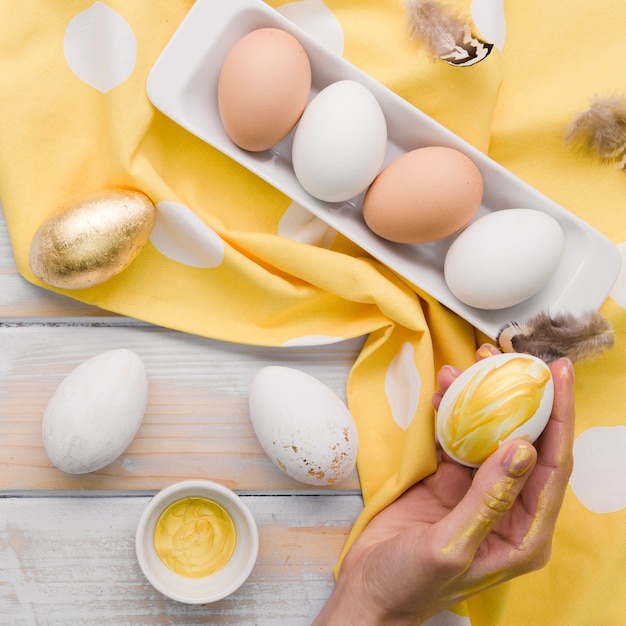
{"points": [[85, 244]]}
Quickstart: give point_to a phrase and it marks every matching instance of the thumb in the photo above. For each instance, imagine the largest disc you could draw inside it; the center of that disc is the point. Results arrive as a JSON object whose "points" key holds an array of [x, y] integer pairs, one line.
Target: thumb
{"points": [[493, 491]]}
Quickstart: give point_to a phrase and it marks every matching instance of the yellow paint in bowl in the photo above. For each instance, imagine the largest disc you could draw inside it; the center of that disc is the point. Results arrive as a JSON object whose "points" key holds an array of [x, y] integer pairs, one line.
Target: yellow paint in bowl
{"points": [[196, 541], [195, 537]]}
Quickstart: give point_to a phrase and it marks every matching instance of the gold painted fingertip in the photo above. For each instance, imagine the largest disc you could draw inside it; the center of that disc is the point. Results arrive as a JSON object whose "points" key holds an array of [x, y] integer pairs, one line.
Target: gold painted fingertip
{"points": [[520, 460], [487, 350]]}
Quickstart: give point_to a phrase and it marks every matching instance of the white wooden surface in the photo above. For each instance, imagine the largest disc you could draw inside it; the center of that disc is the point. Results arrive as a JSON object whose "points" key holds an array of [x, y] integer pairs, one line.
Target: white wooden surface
{"points": [[67, 542]]}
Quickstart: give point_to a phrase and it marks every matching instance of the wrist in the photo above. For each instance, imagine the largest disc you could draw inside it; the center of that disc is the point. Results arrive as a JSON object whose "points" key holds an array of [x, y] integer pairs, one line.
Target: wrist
{"points": [[346, 608]]}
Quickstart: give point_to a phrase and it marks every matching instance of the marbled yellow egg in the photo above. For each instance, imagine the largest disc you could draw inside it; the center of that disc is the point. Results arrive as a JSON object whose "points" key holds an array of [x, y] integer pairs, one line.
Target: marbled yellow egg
{"points": [[503, 397], [87, 243]]}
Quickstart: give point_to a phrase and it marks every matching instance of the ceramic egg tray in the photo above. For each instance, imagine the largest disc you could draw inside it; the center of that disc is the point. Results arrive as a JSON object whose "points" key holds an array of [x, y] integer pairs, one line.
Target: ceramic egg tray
{"points": [[183, 86]]}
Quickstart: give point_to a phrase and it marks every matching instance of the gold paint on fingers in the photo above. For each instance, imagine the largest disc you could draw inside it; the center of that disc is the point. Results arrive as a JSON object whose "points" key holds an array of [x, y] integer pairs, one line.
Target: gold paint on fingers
{"points": [[496, 501]]}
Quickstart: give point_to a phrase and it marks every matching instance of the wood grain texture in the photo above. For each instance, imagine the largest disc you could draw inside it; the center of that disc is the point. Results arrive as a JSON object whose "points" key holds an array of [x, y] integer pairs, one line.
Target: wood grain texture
{"points": [[71, 561], [67, 545], [196, 424]]}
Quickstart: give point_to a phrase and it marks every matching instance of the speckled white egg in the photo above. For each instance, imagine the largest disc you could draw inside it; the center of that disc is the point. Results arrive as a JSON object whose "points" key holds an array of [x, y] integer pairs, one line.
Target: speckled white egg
{"points": [[504, 258], [340, 142], [503, 397], [303, 426], [95, 412]]}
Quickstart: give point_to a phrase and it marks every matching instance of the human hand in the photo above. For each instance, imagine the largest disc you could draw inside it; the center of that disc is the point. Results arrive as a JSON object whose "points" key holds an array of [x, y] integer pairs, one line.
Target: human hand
{"points": [[460, 531]]}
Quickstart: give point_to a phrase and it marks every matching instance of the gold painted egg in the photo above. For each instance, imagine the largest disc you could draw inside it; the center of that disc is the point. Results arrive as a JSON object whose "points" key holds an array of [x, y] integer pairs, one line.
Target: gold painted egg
{"points": [[503, 397], [85, 244]]}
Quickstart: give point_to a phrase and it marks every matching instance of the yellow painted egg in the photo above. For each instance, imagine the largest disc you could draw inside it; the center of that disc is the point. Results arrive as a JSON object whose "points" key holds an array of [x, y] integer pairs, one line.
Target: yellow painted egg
{"points": [[85, 244], [503, 397], [263, 88]]}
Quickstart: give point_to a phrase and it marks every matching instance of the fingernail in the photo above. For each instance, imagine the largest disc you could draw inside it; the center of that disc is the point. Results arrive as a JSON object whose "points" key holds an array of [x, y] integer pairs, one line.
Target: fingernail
{"points": [[455, 371], [519, 461], [487, 350], [570, 369]]}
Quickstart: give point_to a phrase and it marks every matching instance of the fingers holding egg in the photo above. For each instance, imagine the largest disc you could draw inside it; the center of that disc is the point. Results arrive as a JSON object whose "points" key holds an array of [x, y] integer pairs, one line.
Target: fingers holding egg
{"points": [[504, 397], [448, 373]]}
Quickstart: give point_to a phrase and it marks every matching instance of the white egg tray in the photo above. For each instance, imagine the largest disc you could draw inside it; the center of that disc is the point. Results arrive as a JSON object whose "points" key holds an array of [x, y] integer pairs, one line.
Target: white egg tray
{"points": [[183, 85]]}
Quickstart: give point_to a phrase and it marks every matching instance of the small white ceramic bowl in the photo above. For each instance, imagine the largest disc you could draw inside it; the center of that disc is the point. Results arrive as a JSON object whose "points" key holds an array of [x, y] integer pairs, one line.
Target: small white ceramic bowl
{"points": [[214, 586]]}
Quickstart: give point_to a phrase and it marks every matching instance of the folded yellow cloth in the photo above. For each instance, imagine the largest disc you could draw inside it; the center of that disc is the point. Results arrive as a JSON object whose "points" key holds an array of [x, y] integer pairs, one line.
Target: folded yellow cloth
{"points": [[254, 268]]}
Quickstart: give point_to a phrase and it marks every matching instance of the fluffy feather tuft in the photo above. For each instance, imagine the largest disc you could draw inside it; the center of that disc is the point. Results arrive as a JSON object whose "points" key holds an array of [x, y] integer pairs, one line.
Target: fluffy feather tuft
{"points": [[550, 337], [600, 129], [436, 25], [448, 36]]}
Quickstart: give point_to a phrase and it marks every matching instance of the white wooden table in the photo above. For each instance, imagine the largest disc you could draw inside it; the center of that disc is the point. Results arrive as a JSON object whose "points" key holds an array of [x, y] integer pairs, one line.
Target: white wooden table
{"points": [[67, 553]]}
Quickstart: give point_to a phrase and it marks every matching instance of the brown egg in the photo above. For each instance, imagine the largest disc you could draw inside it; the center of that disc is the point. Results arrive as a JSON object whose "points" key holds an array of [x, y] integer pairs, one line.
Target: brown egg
{"points": [[263, 88], [424, 195], [84, 244]]}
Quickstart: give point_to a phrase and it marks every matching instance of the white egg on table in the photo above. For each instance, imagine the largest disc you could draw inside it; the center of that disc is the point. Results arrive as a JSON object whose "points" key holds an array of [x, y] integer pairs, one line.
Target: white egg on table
{"points": [[95, 412], [504, 258], [302, 425], [502, 397], [340, 142]]}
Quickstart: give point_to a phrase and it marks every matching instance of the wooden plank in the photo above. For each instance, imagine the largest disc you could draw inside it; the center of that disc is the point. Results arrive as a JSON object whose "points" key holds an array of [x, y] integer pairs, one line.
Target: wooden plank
{"points": [[196, 424], [71, 561]]}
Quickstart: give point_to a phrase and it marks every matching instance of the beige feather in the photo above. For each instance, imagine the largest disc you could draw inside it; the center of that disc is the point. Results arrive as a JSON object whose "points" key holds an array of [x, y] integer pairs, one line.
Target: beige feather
{"points": [[601, 129], [550, 337], [448, 36]]}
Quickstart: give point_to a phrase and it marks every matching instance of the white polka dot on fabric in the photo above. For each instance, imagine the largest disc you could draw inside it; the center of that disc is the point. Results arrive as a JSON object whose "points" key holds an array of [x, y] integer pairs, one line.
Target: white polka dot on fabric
{"points": [[316, 19], [100, 47], [402, 386], [301, 225], [600, 469], [311, 340], [448, 618], [488, 15], [182, 236], [618, 293]]}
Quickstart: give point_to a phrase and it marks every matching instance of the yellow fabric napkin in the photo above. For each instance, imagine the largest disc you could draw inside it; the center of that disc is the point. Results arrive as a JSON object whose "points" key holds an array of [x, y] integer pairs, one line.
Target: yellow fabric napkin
{"points": [[253, 268]]}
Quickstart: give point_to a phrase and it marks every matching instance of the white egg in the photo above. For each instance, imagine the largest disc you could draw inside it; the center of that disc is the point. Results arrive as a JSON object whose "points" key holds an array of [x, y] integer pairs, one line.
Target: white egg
{"points": [[95, 412], [504, 258], [503, 397], [303, 426], [340, 142]]}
